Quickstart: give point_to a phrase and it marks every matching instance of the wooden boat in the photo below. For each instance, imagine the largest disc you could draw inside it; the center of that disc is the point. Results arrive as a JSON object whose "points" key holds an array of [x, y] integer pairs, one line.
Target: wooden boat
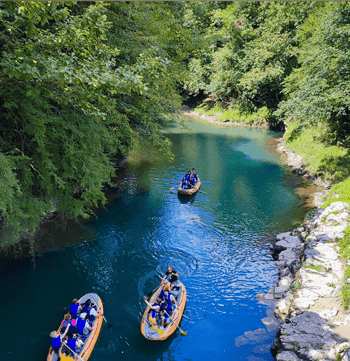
{"points": [[190, 191], [155, 334], [91, 339]]}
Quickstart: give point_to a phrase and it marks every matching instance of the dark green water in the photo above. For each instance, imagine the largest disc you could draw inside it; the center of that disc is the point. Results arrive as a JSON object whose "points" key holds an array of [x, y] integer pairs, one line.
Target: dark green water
{"points": [[217, 241]]}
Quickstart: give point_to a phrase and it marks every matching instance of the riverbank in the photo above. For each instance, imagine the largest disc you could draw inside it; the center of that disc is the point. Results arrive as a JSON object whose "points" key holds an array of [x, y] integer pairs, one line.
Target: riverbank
{"points": [[307, 299], [308, 295], [213, 119]]}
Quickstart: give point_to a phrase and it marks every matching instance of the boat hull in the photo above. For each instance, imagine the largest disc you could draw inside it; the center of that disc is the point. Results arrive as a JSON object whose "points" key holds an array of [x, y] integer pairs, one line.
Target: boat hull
{"points": [[91, 340], [152, 334], [191, 191]]}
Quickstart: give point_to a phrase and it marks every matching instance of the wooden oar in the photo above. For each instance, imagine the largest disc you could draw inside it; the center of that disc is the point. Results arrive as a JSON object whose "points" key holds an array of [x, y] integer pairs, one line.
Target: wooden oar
{"points": [[108, 324], [161, 332], [149, 294], [182, 331], [67, 357]]}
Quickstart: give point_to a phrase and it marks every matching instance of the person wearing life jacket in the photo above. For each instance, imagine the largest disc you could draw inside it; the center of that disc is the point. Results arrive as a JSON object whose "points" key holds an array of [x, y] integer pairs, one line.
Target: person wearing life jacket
{"points": [[194, 175], [192, 182], [67, 321], [73, 345], [168, 306], [90, 309], [75, 308], [56, 340], [83, 327], [184, 183], [155, 308]]}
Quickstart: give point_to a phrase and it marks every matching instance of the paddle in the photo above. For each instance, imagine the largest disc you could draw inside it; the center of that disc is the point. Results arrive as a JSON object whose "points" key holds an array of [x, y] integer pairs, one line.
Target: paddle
{"points": [[69, 358], [182, 331], [108, 324], [149, 294], [171, 188], [161, 332]]}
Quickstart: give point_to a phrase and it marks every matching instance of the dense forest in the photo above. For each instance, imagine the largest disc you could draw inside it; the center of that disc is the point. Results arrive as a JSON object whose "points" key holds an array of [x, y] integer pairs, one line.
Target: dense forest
{"points": [[83, 83]]}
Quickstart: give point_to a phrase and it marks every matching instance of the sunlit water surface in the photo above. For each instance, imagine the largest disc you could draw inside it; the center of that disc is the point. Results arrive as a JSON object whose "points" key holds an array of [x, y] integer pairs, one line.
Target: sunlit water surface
{"points": [[217, 241]]}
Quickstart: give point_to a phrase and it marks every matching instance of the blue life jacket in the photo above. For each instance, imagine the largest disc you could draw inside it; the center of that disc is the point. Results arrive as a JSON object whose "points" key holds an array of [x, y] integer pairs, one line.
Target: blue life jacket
{"points": [[154, 312], [80, 326], [192, 181], [187, 176], [168, 303], [65, 324], [87, 309], [73, 309], [71, 343], [56, 343]]}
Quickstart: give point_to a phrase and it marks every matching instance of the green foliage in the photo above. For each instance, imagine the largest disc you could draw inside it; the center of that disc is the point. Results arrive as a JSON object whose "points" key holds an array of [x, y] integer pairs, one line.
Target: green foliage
{"points": [[81, 84], [318, 90], [329, 161], [318, 268], [251, 49]]}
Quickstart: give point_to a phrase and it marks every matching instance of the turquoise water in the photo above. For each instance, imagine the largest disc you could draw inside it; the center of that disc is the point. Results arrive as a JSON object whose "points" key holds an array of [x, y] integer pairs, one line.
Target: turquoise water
{"points": [[217, 241]]}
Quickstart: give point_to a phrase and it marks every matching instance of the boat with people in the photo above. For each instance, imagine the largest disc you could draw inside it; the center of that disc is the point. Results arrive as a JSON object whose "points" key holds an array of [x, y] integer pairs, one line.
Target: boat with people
{"points": [[86, 303], [189, 184], [153, 330]]}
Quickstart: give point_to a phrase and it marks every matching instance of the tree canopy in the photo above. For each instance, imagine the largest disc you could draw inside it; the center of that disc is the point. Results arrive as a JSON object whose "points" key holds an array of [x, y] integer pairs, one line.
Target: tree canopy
{"points": [[83, 82]]}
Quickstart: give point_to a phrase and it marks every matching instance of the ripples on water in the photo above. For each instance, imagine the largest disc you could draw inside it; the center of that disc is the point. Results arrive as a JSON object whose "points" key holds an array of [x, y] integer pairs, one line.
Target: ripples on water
{"points": [[216, 241]]}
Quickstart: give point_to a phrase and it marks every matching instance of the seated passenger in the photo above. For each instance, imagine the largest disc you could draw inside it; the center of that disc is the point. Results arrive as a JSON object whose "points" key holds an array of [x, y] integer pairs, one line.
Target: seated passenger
{"points": [[194, 174], [75, 308], [188, 175], [155, 308], [168, 306], [173, 280], [184, 183], [192, 182], [67, 321], [83, 327], [56, 340], [90, 309], [73, 345]]}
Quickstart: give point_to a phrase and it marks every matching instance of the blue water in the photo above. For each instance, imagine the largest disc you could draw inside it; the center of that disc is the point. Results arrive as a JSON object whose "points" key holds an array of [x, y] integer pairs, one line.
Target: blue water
{"points": [[217, 241]]}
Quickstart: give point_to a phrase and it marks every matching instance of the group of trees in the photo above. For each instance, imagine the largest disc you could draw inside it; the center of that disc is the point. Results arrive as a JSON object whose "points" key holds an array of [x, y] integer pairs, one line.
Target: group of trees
{"points": [[83, 82]]}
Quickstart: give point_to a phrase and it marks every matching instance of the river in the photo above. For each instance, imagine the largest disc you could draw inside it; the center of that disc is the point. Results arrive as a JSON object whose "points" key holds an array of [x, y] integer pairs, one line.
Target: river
{"points": [[217, 241]]}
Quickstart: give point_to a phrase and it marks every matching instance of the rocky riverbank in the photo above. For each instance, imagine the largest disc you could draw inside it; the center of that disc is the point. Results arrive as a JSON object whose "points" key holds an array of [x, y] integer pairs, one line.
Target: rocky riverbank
{"points": [[308, 295]]}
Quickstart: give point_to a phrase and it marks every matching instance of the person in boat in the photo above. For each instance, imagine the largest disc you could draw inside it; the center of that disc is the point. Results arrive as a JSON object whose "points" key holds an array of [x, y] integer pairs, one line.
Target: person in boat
{"points": [[75, 308], [82, 325], [194, 175], [173, 279], [68, 321], [184, 183], [192, 182], [73, 345], [155, 309], [57, 340], [91, 310], [168, 307]]}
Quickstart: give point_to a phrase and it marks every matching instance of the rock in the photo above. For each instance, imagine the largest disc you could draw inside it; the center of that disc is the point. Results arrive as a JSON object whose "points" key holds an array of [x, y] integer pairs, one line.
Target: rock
{"points": [[262, 349], [287, 356], [241, 341], [282, 309], [342, 347], [249, 334], [328, 314], [270, 323]]}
